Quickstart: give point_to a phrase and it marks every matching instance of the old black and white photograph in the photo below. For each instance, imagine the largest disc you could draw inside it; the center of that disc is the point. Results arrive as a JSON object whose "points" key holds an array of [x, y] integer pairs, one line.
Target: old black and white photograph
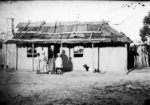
{"points": [[72, 52]]}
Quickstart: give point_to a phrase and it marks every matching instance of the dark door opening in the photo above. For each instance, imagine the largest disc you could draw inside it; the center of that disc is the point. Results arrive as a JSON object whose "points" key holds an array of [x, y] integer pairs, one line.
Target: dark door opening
{"points": [[52, 54]]}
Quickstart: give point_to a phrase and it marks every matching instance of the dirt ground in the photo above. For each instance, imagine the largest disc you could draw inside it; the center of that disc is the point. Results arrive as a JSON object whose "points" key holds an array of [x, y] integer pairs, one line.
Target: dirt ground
{"points": [[74, 88]]}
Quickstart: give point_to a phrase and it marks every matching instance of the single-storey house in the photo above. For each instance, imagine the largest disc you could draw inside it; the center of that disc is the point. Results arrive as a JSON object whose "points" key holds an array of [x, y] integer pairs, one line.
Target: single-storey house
{"points": [[96, 44]]}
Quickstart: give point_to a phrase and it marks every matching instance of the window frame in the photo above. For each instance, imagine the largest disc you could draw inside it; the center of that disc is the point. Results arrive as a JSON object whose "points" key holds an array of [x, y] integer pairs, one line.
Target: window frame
{"points": [[29, 52], [79, 52]]}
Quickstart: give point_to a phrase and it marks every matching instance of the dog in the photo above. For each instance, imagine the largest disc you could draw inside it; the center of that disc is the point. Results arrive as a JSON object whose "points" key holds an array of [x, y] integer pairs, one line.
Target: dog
{"points": [[86, 67]]}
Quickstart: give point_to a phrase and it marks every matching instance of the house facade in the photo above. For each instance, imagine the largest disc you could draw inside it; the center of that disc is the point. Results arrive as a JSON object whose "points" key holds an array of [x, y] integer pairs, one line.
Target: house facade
{"points": [[96, 44]]}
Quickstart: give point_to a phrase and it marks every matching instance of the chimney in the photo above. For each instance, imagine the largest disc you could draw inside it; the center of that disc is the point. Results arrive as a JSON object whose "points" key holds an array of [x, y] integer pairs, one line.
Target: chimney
{"points": [[10, 27]]}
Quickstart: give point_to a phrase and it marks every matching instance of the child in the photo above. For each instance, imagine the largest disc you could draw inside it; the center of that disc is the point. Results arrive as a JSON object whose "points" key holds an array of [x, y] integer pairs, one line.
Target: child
{"points": [[38, 60], [43, 63], [58, 64]]}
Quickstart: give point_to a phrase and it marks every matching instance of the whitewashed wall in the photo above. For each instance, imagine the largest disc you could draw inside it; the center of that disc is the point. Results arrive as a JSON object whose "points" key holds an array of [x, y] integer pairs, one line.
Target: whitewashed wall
{"points": [[88, 54], [24, 62], [111, 59], [2, 56], [11, 55], [8, 56]]}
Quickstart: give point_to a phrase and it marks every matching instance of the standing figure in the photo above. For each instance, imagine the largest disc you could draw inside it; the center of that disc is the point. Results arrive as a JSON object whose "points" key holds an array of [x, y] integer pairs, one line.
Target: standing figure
{"points": [[64, 60], [51, 60], [38, 60], [43, 63], [58, 64]]}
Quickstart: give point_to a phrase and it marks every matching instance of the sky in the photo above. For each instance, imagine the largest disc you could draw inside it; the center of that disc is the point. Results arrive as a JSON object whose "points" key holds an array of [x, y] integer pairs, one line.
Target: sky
{"points": [[124, 16]]}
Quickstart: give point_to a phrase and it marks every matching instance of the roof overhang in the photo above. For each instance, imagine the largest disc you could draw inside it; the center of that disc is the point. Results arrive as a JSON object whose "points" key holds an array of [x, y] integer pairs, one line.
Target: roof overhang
{"points": [[67, 41]]}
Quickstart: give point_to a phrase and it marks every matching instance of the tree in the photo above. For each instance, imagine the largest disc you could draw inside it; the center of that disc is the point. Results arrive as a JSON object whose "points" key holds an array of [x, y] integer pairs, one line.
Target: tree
{"points": [[145, 30]]}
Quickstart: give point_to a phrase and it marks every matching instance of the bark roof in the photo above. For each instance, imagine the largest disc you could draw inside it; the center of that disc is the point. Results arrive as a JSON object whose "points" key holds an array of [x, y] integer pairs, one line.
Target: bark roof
{"points": [[68, 32]]}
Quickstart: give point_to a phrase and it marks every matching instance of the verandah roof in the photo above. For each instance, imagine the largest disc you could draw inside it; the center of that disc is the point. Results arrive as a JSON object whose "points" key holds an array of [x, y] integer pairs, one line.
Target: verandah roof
{"points": [[67, 32]]}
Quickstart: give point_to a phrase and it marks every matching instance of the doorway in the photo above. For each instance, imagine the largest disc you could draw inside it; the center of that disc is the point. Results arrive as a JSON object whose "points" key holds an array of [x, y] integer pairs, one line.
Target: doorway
{"points": [[52, 54]]}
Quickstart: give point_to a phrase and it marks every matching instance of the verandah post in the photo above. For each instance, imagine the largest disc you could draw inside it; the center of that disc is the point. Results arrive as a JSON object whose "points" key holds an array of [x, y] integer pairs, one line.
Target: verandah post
{"points": [[16, 56], [126, 57], [69, 53], [61, 47], [6, 58], [33, 57], [98, 60], [93, 56]]}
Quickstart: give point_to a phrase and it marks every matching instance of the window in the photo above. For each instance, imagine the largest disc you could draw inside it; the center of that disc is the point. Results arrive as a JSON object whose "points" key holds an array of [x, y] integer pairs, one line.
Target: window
{"points": [[78, 51], [29, 52]]}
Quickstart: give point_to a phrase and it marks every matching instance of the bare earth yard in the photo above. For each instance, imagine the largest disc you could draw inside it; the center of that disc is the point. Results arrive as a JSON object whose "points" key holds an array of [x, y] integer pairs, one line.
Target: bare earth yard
{"points": [[74, 88]]}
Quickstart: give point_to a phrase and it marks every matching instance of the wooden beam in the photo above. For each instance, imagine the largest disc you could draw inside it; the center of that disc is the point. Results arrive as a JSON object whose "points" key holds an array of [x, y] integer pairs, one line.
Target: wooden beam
{"points": [[90, 35], [62, 40], [93, 56], [69, 53], [61, 46], [6, 58], [16, 57], [22, 31], [126, 58], [98, 60], [32, 57], [39, 27], [76, 32]]}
